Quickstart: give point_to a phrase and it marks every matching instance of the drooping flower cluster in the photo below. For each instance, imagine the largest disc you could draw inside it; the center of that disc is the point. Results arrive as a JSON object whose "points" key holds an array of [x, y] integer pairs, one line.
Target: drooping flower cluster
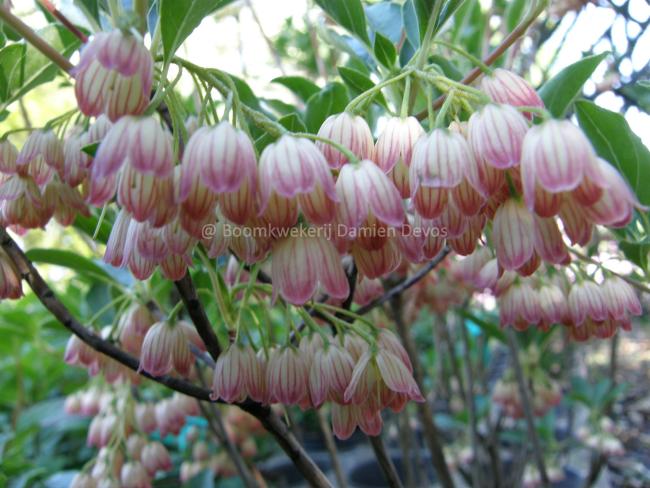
{"points": [[358, 381], [545, 396], [119, 430]]}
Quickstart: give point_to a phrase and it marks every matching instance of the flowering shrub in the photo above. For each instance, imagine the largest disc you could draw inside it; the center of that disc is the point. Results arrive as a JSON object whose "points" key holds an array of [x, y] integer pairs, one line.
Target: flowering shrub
{"points": [[295, 226]]}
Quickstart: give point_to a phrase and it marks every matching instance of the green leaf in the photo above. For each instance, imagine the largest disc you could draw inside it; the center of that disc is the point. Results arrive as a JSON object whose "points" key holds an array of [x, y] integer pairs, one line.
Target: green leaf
{"points": [[89, 6], [490, 329], [67, 259], [302, 87], [179, 18], [293, 122], [639, 92], [559, 92], [448, 10], [24, 67], [359, 83], [411, 24], [330, 100], [91, 149], [348, 14], [385, 51], [88, 225], [611, 136], [514, 13]]}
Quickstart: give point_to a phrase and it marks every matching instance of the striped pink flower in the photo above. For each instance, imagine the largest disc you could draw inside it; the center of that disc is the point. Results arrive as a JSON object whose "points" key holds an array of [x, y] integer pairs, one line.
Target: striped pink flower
{"points": [[164, 349], [42, 150], [363, 189], [553, 305], [616, 205], [139, 142], [586, 301], [367, 290], [155, 457], [350, 131], [134, 475], [620, 298], [496, 134], [513, 234], [114, 75], [287, 376], [549, 243], [234, 374], [575, 222], [557, 156], [329, 374], [21, 203], [294, 168], [10, 283], [303, 264], [379, 262], [8, 157], [63, 202], [394, 149], [439, 163], [519, 305], [114, 253], [504, 86]]}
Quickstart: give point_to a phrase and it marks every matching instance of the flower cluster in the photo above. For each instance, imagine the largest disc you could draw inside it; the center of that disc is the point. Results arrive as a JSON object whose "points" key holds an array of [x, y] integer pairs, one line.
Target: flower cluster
{"points": [[357, 380], [545, 395], [120, 428]]}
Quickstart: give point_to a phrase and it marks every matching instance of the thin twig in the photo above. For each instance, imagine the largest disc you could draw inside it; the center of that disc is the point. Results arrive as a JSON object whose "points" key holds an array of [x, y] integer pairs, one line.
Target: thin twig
{"points": [[425, 412], [518, 32], [49, 6], [524, 392], [331, 448], [385, 462], [34, 39]]}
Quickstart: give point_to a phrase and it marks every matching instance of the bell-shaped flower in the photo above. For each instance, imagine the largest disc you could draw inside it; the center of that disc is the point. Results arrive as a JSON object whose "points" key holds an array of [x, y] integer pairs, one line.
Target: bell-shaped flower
{"points": [[513, 234], [293, 168], [165, 348], [301, 264], [350, 131], [496, 134]]}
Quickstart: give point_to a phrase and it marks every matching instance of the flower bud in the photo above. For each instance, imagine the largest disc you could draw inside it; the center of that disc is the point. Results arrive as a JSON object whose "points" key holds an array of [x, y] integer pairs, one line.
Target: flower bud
{"points": [[329, 374], [586, 300], [155, 457], [233, 373]]}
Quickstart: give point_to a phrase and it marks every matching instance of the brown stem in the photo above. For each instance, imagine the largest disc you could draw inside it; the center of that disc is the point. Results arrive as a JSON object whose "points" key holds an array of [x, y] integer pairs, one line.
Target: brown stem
{"points": [[385, 462], [425, 412], [34, 39], [331, 448], [525, 400], [406, 284], [49, 6], [408, 458], [190, 298], [518, 32]]}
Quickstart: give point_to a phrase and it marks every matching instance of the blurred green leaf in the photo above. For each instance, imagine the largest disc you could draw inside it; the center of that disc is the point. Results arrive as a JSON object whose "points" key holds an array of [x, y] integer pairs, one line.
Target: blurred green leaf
{"points": [[559, 92], [67, 259], [359, 83], [514, 13], [615, 141], [385, 18], [348, 14], [179, 19], [640, 93], [490, 329], [303, 88], [330, 100], [385, 51], [24, 67]]}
